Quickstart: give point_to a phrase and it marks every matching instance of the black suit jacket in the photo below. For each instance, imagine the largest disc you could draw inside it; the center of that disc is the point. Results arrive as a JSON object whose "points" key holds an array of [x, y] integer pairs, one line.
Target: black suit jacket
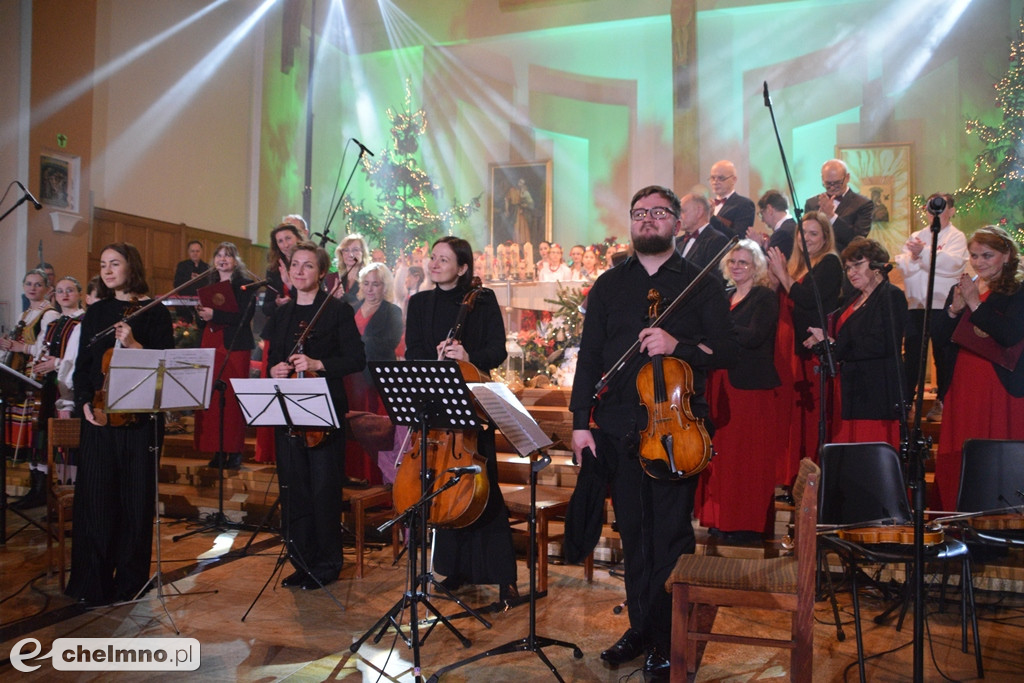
{"points": [[869, 356], [708, 243], [185, 271], [783, 237], [853, 217], [1001, 316], [335, 342], [756, 318], [735, 216]]}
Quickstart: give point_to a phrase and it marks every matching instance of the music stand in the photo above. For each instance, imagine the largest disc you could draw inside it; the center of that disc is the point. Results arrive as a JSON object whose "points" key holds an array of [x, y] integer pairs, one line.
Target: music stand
{"points": [[150, 381], [297, 403], [10, 378], [430, 395], [528, 439]]}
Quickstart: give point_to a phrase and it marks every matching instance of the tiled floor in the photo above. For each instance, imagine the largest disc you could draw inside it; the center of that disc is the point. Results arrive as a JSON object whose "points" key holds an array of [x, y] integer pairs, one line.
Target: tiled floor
{"points": [[302, 635]]}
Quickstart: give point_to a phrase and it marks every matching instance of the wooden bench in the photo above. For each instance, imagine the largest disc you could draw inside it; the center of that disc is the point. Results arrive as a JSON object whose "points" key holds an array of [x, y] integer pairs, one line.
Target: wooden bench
{"points": [[359, 501], [552, 503]]}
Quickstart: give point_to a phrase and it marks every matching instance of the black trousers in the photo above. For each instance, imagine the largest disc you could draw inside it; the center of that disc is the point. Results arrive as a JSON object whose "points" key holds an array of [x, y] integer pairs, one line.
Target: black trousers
{"points": [[943, 353], [310, 482], [115, 503], [654, 521]]}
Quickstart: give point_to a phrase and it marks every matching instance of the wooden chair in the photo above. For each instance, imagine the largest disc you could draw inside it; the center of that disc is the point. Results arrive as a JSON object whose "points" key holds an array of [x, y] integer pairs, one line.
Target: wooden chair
{"points": [[780, 583], [62, 434]]}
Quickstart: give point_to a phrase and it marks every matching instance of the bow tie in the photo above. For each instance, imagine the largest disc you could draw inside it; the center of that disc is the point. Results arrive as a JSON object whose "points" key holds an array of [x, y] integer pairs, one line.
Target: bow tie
{"points": [[719, 201]]}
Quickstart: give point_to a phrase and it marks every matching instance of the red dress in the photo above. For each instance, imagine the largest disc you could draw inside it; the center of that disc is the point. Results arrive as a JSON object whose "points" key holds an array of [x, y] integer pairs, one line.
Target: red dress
{"points": [[210, 423], [977, 406], [800, 393], [362, 396]]}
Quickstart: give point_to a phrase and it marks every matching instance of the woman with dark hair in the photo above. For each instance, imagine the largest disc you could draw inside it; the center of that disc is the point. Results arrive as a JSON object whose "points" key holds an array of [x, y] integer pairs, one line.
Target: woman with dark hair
{"points": [[229, 324], [312, 475], [867, 349], [482, 552], [737, 489], [115, 491], [986, 396], [798, 312], [283, 240]]}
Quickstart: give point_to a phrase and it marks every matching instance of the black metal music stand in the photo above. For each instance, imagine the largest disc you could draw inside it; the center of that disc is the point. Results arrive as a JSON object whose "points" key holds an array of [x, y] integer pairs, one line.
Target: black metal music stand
{"points": [[526, 437], [294, 403], [10, 377], [430, 395], [148, 382]]}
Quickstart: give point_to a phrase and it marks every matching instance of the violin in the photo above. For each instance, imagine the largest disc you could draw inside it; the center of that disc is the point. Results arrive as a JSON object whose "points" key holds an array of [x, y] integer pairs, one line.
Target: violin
{"points": [[902, 534], [99, 399], [464, 502], [675, 444], [13, 360]]}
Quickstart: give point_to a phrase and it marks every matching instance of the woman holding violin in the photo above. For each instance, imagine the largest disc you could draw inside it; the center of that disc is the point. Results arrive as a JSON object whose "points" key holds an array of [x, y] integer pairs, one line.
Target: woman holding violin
{"points": [[653, 515], [984, 317], [228, 325], [311, 468], [481, 553], [116, 485], [867, 349], [736, 493]]}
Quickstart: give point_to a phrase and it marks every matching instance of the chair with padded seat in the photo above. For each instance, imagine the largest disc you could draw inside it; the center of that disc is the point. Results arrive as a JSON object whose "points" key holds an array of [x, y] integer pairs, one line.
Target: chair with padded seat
{"points": [[992, 479], [864, 483], [779, 583], [62, 434]]}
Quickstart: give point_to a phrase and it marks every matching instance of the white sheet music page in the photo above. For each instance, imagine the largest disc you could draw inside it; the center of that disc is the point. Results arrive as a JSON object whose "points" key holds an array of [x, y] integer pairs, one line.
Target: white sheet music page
{"points": [[511, 416]]}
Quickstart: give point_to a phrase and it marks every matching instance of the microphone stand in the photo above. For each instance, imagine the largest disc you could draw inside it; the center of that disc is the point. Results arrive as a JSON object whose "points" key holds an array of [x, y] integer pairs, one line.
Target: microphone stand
{"points": [[217, 520], [325, 235], [827, 368], [914, 450]]}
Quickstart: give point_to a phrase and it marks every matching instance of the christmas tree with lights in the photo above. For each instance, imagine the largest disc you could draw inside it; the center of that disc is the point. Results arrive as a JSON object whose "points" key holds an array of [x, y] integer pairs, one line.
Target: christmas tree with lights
{"points": [[405, 213], [996, 188]]}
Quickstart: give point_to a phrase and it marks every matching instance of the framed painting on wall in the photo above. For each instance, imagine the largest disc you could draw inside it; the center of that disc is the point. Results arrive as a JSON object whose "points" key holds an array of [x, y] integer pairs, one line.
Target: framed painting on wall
{"points": [[59, 176], [881, 172], [520, 205]]}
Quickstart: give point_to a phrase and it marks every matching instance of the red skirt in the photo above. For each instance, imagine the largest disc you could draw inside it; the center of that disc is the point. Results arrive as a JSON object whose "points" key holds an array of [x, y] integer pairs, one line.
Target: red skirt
{"points": [[977, 406], [362, 395], [210, 423], [736, 491]]}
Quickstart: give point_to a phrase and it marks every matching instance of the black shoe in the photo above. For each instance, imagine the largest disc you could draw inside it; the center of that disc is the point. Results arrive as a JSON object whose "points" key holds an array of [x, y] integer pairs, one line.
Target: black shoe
{"points": [[453, 583], [355, 483], [294, 579], [656, 666], [36, 495], [214, 462], [629, 647], [234, 461], [508, 592], [312, 584]]}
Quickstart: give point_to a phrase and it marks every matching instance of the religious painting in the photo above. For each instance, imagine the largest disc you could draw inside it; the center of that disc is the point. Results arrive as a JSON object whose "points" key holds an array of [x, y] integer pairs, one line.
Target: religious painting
{"points": [[882, 174], [58, 180], [521, 203]]}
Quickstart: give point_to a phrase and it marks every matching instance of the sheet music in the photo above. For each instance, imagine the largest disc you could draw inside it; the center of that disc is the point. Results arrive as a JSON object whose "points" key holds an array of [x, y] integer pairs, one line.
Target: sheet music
{"points": [[137, 383], [511, 416], [307, 400]]}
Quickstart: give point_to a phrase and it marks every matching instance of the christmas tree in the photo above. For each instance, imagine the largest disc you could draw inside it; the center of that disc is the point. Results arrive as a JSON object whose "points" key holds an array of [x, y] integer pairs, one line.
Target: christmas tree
{"points": [[996, 188], [405, 212]]}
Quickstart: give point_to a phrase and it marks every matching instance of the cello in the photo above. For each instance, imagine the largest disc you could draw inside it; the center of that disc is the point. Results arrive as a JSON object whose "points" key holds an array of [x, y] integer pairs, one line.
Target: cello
{"points": [[464, 502], [675, 444]]}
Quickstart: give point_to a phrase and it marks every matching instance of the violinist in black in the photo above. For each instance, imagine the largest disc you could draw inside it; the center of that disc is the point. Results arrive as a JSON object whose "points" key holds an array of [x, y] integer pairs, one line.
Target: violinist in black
{"points": [[311, 477], [116, 487], [482, 552]]}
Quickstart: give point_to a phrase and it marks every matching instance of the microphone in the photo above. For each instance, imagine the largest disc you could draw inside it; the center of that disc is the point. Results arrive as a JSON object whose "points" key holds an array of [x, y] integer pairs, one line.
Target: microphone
{"points": [[936, 205], [767, 99], [29, 196], [258, 283], [880, 266], [362, 146], [459, 471]]}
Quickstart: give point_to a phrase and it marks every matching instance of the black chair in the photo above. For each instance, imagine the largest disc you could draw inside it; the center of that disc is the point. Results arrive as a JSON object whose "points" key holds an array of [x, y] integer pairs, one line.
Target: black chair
{"points": [[992, 478], [863, 483]]}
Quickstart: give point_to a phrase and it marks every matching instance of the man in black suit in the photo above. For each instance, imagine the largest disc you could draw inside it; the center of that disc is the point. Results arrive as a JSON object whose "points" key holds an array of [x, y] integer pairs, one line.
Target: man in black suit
{"points": [[774, 209], [850, 213], [699, 242], [190, 267], [731, 213]]}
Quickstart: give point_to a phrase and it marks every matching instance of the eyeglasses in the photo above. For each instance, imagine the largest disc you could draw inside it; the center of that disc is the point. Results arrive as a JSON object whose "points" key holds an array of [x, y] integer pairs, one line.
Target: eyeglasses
{"points": [[738, 263], [658, 213], [719, 178], [855, 265], [833, 183]]}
